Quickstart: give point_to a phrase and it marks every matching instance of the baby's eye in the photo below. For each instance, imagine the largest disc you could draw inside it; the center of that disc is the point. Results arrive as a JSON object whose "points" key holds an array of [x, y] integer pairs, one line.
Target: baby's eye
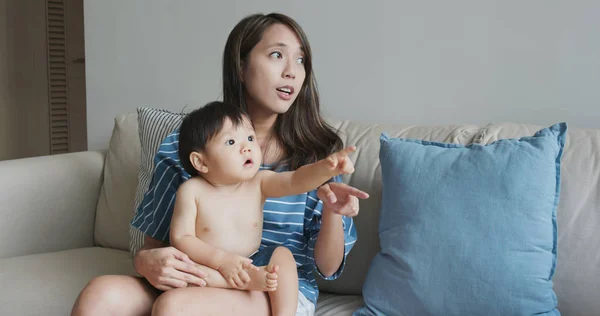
{"points": [[276, 54], [251, 138], [230, 142], [300, 60]]}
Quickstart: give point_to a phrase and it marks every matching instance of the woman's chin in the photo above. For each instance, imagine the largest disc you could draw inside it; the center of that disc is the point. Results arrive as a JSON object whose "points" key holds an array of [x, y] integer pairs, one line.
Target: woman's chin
{"points": [[277, 109], [281, 107], [274, 108]]}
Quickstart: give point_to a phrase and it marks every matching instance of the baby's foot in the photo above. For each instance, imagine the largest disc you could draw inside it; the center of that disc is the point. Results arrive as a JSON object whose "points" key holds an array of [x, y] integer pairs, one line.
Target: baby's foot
{"points": [[265, 279]]}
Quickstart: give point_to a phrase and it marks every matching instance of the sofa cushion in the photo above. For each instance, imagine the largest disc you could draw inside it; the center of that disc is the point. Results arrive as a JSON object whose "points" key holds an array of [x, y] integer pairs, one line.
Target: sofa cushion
{"points": [[48, 284], [115, 204], [467, 230]]}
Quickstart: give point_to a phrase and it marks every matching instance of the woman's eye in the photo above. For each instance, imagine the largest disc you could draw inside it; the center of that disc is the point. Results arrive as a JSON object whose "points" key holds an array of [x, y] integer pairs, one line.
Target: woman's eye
{"points": [[276, 54], [300, 60], [251, 138], [230, 142]]}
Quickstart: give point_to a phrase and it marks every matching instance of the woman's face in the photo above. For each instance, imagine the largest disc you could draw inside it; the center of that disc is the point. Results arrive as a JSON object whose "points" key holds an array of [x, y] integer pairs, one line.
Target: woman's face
{"points": [[274, 72]]}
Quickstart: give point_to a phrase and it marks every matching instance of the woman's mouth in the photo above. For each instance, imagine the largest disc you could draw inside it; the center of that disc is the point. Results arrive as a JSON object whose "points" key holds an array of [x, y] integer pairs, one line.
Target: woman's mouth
{"points": [[285, 92]]}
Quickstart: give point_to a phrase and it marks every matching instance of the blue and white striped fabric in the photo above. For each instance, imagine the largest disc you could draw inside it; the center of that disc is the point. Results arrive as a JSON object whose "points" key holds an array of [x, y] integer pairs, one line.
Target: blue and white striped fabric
{"points": [[153, 126], [291, 221]]}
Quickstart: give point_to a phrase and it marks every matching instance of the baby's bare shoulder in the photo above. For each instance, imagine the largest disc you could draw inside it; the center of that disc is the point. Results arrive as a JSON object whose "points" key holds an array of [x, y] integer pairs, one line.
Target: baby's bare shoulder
{"points": [[194, 186], [260, 177]]}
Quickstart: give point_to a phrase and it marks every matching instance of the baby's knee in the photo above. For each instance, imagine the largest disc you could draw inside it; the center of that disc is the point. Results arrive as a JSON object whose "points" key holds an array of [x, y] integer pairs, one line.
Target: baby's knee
{"points": [[283, 253], [99, 295]]}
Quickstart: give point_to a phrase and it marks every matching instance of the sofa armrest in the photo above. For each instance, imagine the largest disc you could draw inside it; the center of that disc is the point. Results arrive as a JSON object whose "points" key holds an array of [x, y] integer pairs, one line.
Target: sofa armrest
{"points": [[48, 203]]}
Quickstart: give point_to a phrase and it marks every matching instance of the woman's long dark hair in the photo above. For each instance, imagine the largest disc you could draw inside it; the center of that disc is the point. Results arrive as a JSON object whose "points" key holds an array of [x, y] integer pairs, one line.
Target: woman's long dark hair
{"points": [[303, 133]]}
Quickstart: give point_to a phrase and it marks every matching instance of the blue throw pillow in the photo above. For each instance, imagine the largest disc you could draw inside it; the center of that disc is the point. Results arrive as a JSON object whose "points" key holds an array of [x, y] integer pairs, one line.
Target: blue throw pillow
{"points": [[467, 230]]}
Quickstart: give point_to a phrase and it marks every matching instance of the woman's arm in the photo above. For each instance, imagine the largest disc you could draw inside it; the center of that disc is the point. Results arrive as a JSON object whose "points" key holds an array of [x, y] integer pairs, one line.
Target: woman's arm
{"points": [[329, 249], [339, 200]]}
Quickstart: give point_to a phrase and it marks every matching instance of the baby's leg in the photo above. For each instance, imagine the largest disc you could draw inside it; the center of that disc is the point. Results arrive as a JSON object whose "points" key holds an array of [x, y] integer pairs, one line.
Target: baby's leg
{"points": [[261, 280], [284, 300], [214, 278]]}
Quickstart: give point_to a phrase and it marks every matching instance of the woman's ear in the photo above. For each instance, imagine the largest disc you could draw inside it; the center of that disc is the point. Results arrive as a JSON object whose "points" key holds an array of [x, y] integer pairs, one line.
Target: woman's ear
{"points": [[198, 162]]}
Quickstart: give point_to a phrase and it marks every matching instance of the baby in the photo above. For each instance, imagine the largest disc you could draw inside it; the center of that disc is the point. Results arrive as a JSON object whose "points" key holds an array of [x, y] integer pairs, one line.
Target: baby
{"points": [[217, 219]]}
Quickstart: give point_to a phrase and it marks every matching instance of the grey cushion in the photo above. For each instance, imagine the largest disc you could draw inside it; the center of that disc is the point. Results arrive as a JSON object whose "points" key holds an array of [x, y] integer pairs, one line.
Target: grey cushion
{"points": [[115, 204]]}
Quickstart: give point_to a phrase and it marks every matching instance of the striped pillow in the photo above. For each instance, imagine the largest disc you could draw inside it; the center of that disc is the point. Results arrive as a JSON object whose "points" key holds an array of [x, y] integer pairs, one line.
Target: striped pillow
{"points": [[154, 125]]}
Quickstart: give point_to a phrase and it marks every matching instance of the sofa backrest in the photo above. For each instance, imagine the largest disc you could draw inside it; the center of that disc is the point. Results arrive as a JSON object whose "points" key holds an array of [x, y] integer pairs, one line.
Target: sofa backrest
{"points": [[577, 276]]}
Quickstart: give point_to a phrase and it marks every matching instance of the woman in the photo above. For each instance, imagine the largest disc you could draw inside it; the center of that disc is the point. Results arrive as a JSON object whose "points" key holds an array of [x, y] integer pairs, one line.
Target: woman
{"points": [[267, 70]]}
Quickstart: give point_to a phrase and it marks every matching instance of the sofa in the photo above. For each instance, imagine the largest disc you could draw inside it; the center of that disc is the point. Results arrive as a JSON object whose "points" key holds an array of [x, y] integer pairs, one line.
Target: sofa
{"points": [[65, 218]]}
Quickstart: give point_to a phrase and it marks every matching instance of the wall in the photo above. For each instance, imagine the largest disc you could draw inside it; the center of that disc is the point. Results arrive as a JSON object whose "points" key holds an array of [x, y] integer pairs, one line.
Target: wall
{"points": [[420, 62]]}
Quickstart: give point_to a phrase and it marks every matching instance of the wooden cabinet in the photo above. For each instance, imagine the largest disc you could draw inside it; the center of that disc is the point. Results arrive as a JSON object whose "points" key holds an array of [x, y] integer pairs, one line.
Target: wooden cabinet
{"points": [[42, 78]]}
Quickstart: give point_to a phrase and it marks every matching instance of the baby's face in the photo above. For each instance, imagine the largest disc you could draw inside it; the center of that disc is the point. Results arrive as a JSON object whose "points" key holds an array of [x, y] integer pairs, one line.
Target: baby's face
{"points": [[233, 155]]}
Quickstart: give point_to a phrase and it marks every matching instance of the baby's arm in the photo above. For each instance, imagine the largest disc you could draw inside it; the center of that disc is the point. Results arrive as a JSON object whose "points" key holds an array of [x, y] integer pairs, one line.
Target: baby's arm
{"points": [[183, 237], [307, 177]]}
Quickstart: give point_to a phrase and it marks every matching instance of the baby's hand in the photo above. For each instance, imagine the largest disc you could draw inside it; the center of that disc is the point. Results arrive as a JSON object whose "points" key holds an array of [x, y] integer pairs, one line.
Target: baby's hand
{"points": [[234, 270], [340, 162]]}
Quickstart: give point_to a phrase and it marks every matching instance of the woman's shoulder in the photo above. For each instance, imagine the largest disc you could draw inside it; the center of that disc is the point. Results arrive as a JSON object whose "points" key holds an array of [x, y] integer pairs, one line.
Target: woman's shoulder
{"points": [[169, 147], [171, 141]]}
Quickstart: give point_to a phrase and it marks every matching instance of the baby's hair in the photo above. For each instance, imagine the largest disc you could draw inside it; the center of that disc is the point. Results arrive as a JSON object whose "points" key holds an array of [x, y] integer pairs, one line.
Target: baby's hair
{"points": [[201, 125]]}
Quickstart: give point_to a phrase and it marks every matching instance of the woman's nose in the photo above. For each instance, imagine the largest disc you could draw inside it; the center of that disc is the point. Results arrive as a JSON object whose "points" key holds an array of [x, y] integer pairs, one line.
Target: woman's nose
{"points": [[290, 70]]}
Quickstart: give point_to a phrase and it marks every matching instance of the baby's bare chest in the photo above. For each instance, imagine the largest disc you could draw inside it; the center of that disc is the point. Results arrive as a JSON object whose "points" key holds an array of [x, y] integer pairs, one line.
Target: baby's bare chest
{"points": [[230, 212]]}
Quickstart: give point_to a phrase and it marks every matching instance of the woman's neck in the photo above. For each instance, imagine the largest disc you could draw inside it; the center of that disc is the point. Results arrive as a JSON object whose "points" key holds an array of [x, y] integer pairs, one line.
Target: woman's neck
{"points": [[264, 125], [265, 131], [268, 139]]}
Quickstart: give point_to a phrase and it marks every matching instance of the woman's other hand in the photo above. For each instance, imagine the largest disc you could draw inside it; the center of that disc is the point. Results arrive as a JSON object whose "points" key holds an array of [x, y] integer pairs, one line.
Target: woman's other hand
{"points": [[167, 268], [341, 198]]}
